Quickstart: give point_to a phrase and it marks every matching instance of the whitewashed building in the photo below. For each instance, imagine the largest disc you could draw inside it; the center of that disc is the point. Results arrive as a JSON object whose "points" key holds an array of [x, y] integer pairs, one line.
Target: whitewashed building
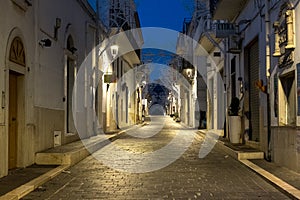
{"points": [[121, 107], [43, 43], [259, 64], [185, 80]]}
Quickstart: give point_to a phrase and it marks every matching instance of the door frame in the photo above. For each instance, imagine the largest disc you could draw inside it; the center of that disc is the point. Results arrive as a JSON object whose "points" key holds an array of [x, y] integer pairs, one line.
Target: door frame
{"points": [[16, 64], [20, 116], [68, 57]]}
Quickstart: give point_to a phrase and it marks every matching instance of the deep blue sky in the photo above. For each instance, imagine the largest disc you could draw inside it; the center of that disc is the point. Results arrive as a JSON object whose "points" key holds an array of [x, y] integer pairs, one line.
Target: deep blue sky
{"points": [[164, 13]]}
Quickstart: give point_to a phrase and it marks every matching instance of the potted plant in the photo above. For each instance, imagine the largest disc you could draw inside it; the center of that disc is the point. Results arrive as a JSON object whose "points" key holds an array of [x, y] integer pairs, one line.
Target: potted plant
{"points": [[234, 121], [234, 107], [176, 117]]}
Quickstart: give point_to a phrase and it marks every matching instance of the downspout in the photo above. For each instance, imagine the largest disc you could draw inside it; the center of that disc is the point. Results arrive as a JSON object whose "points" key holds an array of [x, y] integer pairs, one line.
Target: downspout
{"points": [[96, 81], [268, 68], [225, 87]]}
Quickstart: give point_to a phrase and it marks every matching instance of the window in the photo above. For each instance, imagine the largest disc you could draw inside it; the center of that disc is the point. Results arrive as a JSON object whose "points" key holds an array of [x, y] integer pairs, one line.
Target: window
{"points": [[287, 100], [17, 53]]}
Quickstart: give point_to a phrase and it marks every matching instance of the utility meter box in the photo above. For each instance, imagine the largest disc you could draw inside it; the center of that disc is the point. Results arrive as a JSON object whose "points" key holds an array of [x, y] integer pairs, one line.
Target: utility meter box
{"points": [[57, 138]]}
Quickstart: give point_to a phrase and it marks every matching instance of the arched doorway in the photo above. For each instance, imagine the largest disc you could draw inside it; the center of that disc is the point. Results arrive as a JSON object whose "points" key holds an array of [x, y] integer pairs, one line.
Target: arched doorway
{"points": [[16, 108]]}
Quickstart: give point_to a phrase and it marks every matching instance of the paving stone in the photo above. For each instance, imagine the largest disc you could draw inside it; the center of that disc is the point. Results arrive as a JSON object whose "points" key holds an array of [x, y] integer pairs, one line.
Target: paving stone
{"points": [[213, 177]]}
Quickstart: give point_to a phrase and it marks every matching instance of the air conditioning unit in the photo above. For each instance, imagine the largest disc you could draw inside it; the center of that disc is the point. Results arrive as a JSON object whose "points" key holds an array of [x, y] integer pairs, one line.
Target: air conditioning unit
{"points": [[235, 43]]}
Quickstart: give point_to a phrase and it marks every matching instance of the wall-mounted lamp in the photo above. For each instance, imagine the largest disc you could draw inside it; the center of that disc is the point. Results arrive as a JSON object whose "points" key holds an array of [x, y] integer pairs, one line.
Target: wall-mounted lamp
{"points": [[189, 73], [240, 79], [45, 43], [114, 50]]}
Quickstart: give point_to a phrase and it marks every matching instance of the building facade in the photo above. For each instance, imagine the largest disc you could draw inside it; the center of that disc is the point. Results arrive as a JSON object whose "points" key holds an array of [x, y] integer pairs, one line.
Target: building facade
{"points": [[121, 107], [43, 46], [259, 60]]}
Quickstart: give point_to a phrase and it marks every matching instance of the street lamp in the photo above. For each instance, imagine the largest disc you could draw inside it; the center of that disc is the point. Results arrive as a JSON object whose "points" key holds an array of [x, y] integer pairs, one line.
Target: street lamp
{"points": [[189, 71], [114, 49]]}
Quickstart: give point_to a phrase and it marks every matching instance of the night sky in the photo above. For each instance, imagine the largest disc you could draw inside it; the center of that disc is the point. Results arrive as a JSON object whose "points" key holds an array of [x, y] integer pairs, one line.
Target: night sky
{"points": [[164, 13]]}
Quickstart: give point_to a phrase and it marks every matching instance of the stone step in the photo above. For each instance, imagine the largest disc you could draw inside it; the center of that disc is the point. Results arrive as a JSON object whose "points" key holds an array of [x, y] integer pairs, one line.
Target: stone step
{"points": [[239, 152], [70, 156]]}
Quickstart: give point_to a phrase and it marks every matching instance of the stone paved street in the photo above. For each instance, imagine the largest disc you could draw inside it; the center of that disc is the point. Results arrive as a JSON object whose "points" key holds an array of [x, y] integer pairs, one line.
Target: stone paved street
{"points": [[217, 176]]}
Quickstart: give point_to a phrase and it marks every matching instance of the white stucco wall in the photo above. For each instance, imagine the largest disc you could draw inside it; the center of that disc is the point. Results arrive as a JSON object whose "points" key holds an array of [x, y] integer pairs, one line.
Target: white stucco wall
{"points": [[15, 23], [44, 78]]}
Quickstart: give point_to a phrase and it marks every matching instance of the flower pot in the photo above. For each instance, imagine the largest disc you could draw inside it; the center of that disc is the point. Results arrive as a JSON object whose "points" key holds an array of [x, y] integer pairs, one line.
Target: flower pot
{"points": [[235, 129]]}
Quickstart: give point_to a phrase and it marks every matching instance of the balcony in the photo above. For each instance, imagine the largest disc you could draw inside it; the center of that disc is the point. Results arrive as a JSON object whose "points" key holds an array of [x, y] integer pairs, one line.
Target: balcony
{"points": [[207, 44], [226, 9], [220, 10]]}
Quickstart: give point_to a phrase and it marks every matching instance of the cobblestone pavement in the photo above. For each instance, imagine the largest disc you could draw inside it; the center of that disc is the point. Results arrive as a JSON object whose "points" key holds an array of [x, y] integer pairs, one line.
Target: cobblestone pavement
{"points": [[217, 176]]}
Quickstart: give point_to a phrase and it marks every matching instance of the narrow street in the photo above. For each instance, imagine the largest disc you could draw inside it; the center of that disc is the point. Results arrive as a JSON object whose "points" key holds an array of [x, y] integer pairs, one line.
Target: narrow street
{"points": [[217, 176], [97, 97]]}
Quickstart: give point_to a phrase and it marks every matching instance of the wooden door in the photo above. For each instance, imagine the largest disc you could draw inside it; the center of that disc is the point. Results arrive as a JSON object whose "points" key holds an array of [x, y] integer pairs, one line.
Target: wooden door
{"points": [[13, 123]]}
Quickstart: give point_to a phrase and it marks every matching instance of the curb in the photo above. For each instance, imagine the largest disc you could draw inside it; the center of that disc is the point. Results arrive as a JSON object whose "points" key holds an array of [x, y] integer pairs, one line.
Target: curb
{"points": [[67, 160], [238, 155], [25, 189], [281, 185], [75, 156]]}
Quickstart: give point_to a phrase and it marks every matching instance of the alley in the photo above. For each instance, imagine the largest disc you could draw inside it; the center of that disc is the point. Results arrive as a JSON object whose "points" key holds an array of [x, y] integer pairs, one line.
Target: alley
{"points": [[217, 176]]}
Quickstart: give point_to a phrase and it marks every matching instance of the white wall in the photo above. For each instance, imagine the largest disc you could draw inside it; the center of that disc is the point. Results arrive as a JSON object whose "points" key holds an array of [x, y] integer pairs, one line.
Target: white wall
{"points": [[44, 79], [15, 22]]}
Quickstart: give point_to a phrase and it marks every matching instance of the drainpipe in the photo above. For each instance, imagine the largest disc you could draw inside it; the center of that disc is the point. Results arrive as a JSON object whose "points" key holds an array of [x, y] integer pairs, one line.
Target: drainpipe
{"points": [[226, 67], [268, 68]]}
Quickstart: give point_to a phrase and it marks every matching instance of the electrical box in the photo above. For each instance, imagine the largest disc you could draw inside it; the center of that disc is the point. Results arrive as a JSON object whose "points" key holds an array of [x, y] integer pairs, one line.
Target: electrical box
{"points": [[57, 138]]}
